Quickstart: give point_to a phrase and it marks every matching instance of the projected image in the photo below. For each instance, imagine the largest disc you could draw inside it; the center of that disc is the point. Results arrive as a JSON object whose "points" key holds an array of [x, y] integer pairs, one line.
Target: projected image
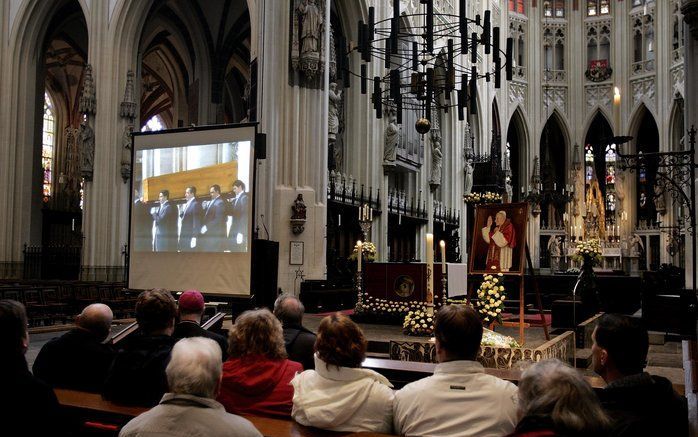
{"points": [[192, 198]]}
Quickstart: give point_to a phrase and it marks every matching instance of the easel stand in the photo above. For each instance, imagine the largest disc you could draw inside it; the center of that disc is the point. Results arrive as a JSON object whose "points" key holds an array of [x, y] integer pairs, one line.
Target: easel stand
{"points": [[522, 305]]}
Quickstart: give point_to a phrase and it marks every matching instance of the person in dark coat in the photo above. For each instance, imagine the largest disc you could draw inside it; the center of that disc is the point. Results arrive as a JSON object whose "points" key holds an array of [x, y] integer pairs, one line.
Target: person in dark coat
{"points": [[28, 406], [137, 374], [191, 221], [637, 402], [214, 222], [165, 224], [142, 225], [238, 209], [299, 341], [78, 359], [191, 309]]}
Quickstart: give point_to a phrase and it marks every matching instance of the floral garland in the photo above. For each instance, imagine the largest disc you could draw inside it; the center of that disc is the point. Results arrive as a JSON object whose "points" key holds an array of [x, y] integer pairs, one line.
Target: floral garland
{"points": [[588, 251], [368, 250], [480, 198], [490, 298]]}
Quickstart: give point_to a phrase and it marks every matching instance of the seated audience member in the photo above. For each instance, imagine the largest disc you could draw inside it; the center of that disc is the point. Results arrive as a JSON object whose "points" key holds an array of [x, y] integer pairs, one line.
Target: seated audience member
{"points": [[459, 399], [299, 341], [137, 375], [339, 395], [27, 406], [555, 400], [189, 408], [79, 359], [191, 309], [637, 402], [256, 377]]}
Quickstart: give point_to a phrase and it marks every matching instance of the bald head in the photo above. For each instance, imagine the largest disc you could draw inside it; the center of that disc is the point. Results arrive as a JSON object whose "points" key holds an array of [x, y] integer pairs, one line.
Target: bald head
{"points": [[289, 310], [96, 318]]}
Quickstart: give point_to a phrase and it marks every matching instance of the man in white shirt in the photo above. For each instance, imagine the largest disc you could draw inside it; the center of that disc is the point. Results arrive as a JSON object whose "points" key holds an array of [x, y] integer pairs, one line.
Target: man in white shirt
{"points": [[459, 399]]}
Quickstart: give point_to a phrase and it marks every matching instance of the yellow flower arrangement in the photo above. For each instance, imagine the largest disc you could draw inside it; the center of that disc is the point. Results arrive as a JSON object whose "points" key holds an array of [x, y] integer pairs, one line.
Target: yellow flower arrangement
{"points": [[490, 298], [368, 250]]}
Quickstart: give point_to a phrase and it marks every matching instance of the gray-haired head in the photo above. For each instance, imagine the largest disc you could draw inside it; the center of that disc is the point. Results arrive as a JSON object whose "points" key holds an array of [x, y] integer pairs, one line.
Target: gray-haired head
{"points": [[195, 367], [96, 318], [552, 388], [288, 309]]}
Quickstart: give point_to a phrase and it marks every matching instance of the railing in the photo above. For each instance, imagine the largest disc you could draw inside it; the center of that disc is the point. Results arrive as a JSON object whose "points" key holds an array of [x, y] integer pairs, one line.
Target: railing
{"points": [[555, 75], [449, 216], [642, 67], [51, 262], [343, 189], [399, 204]]}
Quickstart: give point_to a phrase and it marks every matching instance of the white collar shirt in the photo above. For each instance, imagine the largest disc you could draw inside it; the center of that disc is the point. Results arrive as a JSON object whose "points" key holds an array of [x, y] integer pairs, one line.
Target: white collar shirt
{"points": [[458, 400]]}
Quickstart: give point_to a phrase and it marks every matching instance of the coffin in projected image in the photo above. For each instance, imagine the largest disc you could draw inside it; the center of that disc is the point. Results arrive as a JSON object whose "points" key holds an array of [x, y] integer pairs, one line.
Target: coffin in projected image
{"points": [[202, 178]]}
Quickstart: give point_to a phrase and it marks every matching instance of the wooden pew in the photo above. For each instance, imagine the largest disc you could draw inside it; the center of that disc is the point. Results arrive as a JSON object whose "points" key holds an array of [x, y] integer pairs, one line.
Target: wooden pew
{"points": [[101, 414], [133, 327]]}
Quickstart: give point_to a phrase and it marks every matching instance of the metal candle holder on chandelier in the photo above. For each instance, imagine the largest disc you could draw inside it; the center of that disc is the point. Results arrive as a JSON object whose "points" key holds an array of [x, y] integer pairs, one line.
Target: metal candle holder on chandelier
{"points": [[431, 62]]}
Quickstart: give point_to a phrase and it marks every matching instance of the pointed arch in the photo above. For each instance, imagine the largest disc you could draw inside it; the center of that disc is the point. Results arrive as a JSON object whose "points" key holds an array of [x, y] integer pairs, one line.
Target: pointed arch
{"points": [[643, 128], [677, 134], [552, 152], [592, 115], [516, 147], [496, 121]]}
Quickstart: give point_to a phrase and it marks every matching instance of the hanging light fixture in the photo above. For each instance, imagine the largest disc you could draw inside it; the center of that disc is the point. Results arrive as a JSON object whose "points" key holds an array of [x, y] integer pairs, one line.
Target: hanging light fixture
{"points": [[430, 57]]}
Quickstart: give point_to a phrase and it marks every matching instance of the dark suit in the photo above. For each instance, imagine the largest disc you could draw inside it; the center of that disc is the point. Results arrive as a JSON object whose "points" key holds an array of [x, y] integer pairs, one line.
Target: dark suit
{"points": [[187, 329], [75, 360], [214, 220], [166, 228], [238, 210], [142, 227], [191, 225], [300, 345]]}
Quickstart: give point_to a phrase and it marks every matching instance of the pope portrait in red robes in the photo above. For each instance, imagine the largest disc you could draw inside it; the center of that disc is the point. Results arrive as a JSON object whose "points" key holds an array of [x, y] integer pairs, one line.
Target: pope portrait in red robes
{"points": [[501, 239]]}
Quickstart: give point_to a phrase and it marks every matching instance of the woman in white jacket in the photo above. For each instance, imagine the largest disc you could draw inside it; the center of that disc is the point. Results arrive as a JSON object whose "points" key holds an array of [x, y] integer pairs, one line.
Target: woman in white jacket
{"points": [[339, 395]]}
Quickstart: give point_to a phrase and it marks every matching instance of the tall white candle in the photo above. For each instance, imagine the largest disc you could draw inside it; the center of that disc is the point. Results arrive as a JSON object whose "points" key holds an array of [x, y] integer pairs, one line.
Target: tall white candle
{"points": [[616, 110], [442, 244], [359, 255], [430, 269]]}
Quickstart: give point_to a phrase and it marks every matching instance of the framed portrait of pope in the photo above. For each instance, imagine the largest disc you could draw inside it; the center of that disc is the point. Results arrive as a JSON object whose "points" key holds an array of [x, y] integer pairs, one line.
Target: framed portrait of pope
{"points": [[499, 238]]}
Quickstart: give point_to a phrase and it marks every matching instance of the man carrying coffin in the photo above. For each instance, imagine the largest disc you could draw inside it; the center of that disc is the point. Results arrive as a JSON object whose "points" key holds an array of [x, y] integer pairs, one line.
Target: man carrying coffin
{"points": [[501, 240]]}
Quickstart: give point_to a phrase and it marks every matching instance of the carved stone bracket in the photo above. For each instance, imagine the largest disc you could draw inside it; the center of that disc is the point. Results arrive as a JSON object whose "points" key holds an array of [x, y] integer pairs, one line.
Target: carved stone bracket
{"points": [[128, 113]]}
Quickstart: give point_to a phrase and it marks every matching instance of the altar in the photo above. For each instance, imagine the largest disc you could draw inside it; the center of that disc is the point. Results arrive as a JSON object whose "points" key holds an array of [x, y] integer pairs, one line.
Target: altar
{"points": [[406, 282]]}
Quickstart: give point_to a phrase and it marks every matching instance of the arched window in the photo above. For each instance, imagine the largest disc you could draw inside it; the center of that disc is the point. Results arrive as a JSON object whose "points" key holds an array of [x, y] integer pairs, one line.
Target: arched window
{"points": [[517, 6], [154, 124], [611, 156], [47, 148], [554, 8], [598, 7], [643, 44], [589, 162]]}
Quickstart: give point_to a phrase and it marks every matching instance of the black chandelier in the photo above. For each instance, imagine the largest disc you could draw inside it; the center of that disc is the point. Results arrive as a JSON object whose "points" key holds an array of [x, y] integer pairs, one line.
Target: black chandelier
{"points": [[422, 63]]}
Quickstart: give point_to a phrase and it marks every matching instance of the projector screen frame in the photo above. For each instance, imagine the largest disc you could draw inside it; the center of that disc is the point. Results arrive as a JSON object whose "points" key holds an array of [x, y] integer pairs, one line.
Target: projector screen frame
{"points": [[252, 189]]}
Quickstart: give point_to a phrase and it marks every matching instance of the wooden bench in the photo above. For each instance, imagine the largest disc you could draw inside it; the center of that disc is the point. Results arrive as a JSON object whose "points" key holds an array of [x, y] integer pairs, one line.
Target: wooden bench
{"points": [[93, 412]]}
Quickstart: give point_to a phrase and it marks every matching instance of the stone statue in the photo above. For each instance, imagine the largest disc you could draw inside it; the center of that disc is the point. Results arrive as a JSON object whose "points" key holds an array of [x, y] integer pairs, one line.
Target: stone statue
{"points": [[555, 252], [87, 102], [86, 139], [659, 201], [298, 209], [392, 136], [436, 157], [468, 176], [311, 22], [620, 190], [579, 200], [126, 153], [636, 245], [335, 103]]}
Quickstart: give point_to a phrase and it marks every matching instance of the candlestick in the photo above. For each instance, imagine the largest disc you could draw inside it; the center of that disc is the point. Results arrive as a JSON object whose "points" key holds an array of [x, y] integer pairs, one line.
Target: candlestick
{"points": [[430, 270], [442, 244], [358, 255]]}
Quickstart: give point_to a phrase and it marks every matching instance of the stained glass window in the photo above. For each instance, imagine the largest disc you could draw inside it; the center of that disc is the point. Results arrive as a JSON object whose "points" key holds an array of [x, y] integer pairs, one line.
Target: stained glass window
{"points": [[598, 7], [611, 156], [589, 162], [47, 144], [516, 6], [155, 123], [554, 8]]}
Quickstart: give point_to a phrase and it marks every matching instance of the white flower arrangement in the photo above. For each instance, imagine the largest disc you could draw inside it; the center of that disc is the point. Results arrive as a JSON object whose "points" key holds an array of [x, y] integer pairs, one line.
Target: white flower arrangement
{"points": [[368, 250], [494, 339], [490, 298], [588, 251], [384, 308], [480, 198], [418, 322]]}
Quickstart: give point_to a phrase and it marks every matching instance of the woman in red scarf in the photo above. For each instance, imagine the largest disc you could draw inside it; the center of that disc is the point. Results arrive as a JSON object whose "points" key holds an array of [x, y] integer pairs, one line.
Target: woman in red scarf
{"points": [[257, 376]]}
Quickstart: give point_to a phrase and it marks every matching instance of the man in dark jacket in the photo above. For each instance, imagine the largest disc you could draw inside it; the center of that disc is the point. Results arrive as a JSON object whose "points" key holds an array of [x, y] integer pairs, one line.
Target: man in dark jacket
{"points": [[299, 341], [165, 224], [213, 225], [137, 375], [78, 359], [191, 215], [27, 405], [191, 309], [637, 402]]}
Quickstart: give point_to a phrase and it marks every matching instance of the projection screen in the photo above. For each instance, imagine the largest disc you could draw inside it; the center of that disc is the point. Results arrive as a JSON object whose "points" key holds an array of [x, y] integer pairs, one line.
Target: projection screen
{"points": [[192, 209]]}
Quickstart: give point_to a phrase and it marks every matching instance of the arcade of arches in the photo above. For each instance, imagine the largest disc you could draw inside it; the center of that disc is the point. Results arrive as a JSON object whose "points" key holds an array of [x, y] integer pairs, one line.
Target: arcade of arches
{"points": [[70, 67]]}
